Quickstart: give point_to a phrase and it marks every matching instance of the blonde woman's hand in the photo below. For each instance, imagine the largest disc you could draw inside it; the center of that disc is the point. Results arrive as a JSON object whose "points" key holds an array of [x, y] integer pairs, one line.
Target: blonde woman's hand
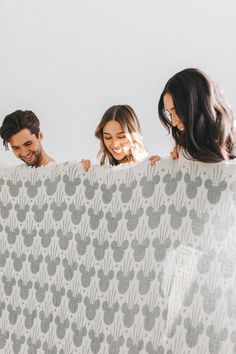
{"points": [[174, 154], [86, 165], [153, 159]]}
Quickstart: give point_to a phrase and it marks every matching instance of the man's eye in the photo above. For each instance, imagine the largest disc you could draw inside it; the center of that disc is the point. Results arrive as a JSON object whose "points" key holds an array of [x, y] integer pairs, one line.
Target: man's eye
{"points": [[28, 144]]}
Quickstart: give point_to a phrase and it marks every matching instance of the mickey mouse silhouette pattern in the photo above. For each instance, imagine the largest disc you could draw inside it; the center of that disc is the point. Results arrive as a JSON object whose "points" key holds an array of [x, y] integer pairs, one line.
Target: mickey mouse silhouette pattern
{"points": [[140, 260]]}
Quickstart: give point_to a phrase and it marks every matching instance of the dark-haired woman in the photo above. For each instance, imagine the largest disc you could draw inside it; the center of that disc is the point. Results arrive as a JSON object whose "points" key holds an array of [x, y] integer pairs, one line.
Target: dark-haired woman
{"points": [[193, 109]]}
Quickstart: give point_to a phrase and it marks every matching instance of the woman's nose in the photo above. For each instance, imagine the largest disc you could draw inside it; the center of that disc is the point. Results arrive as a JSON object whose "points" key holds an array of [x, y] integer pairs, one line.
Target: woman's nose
{"points": [[175, 120], [115, 142]]}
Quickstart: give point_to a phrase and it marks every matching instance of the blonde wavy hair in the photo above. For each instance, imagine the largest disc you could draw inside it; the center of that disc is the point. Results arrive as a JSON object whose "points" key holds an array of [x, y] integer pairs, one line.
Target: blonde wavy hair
{"points": [[126, 117]]}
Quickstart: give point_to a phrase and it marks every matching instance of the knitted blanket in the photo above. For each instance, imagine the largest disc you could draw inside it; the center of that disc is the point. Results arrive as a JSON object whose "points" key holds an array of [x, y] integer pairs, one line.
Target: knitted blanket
{"points": [[134, 260]]}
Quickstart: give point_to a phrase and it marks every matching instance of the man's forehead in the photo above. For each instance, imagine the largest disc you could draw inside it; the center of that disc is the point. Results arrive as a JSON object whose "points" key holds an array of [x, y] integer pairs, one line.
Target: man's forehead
{"points": [[21, 137]]}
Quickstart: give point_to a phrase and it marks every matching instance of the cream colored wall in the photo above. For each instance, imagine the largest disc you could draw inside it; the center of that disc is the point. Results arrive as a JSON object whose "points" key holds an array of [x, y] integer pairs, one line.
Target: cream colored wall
{"points": [[69, 60]]}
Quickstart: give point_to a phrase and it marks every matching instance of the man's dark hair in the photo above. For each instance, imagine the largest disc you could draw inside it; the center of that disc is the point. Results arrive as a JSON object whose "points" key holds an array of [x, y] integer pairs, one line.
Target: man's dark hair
{"points": [[14, 122]]}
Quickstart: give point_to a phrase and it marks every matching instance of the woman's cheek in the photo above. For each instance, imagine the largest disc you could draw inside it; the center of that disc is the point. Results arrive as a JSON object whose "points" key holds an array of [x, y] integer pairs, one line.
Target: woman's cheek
{"points": [[126, 147]]}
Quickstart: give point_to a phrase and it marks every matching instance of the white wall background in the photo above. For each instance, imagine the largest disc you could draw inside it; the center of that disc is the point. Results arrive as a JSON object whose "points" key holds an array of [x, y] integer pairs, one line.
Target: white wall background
{"points": [[69, 60]]}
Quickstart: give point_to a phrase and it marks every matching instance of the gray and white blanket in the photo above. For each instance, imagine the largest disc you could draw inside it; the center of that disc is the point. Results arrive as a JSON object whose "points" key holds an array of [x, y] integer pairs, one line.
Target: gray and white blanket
{"points": [[140, 260]]}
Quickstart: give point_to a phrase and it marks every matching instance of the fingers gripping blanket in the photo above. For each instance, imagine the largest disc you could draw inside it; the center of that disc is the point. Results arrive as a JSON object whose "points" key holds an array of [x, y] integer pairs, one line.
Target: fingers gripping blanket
{"points": [[140, 260]]}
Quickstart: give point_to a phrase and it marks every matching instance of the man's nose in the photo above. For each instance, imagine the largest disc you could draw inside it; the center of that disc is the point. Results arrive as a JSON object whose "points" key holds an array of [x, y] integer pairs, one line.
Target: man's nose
{"points": [[23, 151]]}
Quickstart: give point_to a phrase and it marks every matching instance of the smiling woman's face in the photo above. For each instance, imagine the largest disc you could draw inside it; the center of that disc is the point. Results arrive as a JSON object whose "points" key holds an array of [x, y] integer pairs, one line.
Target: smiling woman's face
{"points": [[115, 140]]}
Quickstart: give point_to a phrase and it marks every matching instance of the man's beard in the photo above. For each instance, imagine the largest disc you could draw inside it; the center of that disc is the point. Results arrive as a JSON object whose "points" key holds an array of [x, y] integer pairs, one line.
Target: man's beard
{"points": [[36, 160]]}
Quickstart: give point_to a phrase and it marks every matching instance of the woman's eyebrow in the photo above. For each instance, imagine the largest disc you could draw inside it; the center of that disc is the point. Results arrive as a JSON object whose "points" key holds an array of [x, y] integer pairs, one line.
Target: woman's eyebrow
{"points": [[169, 109], [110, 133]]}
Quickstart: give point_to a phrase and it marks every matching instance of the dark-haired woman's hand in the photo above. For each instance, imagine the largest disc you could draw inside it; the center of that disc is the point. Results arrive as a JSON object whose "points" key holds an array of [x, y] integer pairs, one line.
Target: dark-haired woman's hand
{"points": [[174, 154], [86, 165], [153, 159]]}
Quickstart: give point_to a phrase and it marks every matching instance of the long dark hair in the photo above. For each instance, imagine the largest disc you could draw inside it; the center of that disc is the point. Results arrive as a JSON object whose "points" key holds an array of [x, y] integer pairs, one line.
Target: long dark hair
{"points": [[125, 115], [208, 134]]}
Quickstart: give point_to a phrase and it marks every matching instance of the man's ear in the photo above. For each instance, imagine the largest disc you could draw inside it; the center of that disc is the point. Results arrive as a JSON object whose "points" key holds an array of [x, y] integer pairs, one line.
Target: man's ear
{"points": [[40, 135]]}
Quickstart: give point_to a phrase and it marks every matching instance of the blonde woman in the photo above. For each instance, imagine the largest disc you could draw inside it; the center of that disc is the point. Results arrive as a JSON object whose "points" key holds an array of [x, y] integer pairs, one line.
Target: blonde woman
{"points": [[120, 137]]}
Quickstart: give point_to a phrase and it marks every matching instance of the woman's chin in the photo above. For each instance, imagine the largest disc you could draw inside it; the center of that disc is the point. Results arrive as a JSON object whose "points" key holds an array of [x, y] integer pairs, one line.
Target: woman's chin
{"points": [[119, 157]]}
